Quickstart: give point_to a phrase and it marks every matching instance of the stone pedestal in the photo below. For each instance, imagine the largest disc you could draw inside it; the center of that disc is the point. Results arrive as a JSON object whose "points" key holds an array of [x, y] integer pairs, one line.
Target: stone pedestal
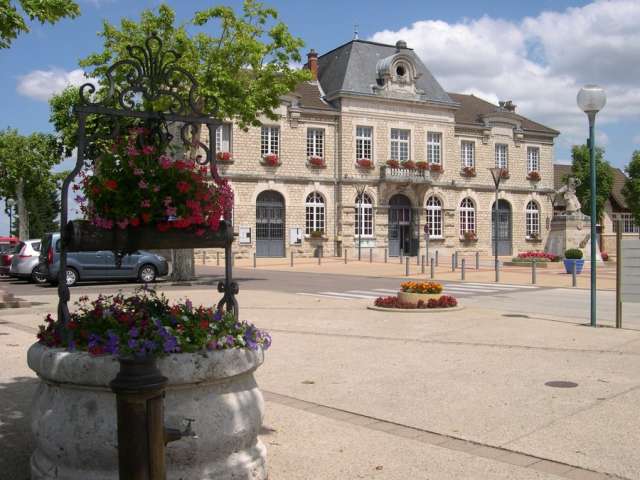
{"points": [[571, 231]]}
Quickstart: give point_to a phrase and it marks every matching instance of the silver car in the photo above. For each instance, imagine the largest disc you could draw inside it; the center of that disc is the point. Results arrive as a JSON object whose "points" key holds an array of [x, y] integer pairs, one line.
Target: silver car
{"points": [[26, 262]]}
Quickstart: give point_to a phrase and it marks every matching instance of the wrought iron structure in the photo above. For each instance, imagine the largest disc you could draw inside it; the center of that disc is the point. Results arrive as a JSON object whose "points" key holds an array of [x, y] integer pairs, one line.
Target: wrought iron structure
{"points": [[148, 86]]}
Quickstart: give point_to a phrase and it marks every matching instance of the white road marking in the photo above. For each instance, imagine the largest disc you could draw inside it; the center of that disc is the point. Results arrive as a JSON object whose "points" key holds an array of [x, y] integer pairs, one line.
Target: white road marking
{"points": [[349, 295]]}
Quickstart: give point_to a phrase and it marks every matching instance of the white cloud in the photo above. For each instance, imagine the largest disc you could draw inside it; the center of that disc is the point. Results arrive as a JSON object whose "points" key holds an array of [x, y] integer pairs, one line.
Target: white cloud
{"points": [[43, 84], [540, 62]]}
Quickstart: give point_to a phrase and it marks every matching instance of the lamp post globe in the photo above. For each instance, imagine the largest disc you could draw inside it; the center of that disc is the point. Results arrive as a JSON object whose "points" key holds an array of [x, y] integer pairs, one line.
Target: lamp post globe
{"points": [[591, 98], [10, 202]]}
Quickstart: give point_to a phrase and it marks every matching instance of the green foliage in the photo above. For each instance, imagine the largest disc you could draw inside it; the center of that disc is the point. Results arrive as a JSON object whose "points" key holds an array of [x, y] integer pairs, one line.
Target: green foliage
{"points": [[13, 21], [580, 168], [573, 254], [43, 205], [631, 189]]}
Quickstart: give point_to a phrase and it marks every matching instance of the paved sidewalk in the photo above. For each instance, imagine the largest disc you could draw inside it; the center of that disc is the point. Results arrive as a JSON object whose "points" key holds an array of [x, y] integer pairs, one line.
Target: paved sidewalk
{"points": [[353, 393]]}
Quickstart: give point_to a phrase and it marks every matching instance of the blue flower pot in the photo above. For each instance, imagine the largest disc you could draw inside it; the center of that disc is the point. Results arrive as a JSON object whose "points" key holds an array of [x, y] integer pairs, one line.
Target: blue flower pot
{"points": [[568, 265]]}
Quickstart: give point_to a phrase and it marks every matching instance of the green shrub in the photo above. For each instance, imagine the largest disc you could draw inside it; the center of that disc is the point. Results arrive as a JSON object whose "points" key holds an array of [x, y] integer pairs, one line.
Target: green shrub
{"points": [[573, 254]]}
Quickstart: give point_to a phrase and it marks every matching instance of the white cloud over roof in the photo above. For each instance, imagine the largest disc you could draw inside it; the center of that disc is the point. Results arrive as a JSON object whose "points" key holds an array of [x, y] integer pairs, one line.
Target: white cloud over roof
{"points": [[43, 84]]}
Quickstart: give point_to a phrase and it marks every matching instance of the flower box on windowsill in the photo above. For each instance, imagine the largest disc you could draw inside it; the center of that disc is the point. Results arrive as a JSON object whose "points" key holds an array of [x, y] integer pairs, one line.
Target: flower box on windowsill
{"points": [[270, 160], [504, 174], [534, 176], [469, 237], [468, 172], [365, 163], [316, 162], [436, 168], [224, 157], [317, 237], [393, 164], [422, 166], [408, 164], [533, 238]]}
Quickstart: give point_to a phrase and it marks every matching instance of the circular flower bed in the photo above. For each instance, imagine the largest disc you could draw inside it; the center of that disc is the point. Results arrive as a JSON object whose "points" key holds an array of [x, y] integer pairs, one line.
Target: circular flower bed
{"points": [[445, 301]]}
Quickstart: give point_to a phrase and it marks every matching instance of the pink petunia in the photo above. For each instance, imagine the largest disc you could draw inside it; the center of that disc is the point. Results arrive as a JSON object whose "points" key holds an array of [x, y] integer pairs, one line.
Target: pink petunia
{"points": [[138, 171], [132, 151], [165, 162], [142, 184], [183, 187], [148, 149]]}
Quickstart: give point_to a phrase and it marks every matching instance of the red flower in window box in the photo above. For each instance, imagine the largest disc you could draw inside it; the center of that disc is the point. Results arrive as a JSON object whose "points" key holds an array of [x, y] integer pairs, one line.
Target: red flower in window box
{"points": [[422, 165], [364, 163], [224, 156], [468, 172], [435, 167], [270, 159], [408, 164], [504, 174], [534, 176], [316, 161], [393, 164], [470, 236]]}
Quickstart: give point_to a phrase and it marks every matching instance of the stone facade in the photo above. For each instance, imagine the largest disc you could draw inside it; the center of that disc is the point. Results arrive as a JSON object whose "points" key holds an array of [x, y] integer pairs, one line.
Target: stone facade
{"points": [[294, 178]]}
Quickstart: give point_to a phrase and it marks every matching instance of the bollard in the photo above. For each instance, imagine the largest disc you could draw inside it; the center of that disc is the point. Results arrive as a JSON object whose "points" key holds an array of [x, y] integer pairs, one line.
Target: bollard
{"points": [[477, 260], [385, 255], [456, 257], [462, 269], [574, 279], [345, 256], [292, 258], [497, 267], [534, 268], [371, 255], [418, 258], [401, 257], [319, 257], [433, 269], [422, 263], [406, 268], [218, 259], [453, 262], [254, 259], [204, 257], [436, 258]]}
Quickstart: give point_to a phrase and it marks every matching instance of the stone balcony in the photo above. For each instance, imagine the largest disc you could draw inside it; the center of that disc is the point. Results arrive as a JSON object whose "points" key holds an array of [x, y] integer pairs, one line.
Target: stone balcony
{"points": [[404, 175]]}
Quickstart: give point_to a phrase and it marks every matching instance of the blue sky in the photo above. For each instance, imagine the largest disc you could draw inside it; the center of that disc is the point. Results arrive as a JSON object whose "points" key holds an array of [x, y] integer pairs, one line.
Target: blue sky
{"points": [[536, 53]]}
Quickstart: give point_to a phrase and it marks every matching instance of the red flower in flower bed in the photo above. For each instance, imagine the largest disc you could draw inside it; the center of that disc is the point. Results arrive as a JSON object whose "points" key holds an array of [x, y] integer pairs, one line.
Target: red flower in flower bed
{"points": [[435, 167], [468, 172], [224, 156], [445, 301], [271, 159], [316, 161], [540, 256], [408, 164], [534, 176], [422, 165], [364, 163], [393, 163]]}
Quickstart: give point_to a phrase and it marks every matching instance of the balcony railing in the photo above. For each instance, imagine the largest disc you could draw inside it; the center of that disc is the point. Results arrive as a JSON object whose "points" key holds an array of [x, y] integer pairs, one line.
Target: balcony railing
{"points": [[404, 174]]}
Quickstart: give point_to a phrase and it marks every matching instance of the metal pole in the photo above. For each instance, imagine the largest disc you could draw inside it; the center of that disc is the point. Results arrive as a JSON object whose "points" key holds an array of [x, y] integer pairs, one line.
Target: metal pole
{"points": [[426, 254], [497, 271], [204, 257], [319, 256], [619, 275], [433, 269], [462, 269], [218, 259], [453, 262], [254, 259], [495, 235], [456, 256], [574, 279], [292, 258], [534, 267], [370, 255], [418, 256], [385, 255], [477, 260], [437, 258], [592, 154], [406, 269], [345, 256], [360, 224], [423, 263], [401, 257]]}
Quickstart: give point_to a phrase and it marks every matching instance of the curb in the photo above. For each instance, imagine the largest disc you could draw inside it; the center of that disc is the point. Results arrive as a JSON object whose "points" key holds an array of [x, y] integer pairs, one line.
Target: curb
{"points": [[415, 310]]}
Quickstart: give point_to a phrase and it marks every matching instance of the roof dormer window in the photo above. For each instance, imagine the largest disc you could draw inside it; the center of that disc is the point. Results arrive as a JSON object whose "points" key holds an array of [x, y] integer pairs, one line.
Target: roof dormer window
{"points": [[401, 70]]}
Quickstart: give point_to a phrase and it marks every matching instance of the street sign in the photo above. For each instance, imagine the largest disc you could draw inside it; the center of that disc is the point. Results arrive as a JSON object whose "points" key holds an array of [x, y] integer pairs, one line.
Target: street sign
{"points": [[631, 270]]}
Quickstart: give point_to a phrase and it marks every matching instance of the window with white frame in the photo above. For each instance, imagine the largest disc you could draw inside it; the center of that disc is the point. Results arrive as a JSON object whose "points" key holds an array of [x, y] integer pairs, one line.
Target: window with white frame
{"points": [[434, 148], [270, 140], [467, 216], [628, 224], [532, 219], [502, 156], [314, 213], [468, 153], [223, 138], [434, 217], [364, 143], [400, 144], [364, 215], [533, 159], [315, 142]]}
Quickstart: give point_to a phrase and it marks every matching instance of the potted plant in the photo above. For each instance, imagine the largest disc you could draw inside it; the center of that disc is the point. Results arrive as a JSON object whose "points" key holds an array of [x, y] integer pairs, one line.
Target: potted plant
{"points": [[408, 164], [469, 236], [393, 164], [224, 157], [206, 354], [534, 176], [573, 260], [468, 172], [270, 160], [435, 167], [422, 165], [316, 161], [413, 292], [364, 163]]}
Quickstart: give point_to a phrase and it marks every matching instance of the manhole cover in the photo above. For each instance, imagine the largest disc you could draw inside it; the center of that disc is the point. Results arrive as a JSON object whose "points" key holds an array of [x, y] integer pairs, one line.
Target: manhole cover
{"points": [[515, 315], [561, 384]]}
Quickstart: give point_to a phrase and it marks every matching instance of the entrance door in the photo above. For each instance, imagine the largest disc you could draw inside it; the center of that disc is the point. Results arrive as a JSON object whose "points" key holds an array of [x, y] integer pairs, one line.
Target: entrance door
{"points": [[504, 228], [270, 221], [400, 231]]}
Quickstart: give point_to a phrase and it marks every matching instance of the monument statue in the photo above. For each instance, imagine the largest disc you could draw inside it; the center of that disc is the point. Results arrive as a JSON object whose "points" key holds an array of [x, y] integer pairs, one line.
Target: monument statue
{"points": [[568, 193]]}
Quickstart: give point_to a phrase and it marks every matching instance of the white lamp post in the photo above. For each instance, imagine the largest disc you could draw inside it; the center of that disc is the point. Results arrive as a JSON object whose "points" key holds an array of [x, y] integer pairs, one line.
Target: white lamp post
{"points": [[591, 99]]}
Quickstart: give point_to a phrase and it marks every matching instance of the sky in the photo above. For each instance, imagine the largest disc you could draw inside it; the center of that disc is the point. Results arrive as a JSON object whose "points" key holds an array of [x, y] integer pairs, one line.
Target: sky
{"points": [[536, 53]]}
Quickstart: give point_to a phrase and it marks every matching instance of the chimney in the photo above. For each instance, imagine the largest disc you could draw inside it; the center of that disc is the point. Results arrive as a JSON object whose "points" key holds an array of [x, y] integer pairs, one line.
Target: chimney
{"points": [[312, 64]]}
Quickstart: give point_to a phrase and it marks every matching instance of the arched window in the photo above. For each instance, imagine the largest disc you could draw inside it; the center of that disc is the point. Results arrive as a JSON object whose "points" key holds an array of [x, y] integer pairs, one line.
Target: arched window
{"points": [[364, 215], [467, 216], [314, 212], [532, 219], [434, 217]]}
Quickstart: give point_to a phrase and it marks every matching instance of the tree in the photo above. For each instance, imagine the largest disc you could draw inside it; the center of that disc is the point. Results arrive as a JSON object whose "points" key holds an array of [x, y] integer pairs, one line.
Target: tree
{"points": [[25, 168], [242, 70], [631, 189], [43, 205], [581, 169], [13, 22]]}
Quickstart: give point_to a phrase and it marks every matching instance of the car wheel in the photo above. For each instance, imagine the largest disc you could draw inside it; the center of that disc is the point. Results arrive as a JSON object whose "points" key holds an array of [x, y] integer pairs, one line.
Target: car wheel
{"points": [[38, 276], [72, 277], [147, 274]]}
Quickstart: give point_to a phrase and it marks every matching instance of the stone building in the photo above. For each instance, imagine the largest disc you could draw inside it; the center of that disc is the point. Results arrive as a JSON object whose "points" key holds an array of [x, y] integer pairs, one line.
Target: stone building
{"points": [[372, 149]]}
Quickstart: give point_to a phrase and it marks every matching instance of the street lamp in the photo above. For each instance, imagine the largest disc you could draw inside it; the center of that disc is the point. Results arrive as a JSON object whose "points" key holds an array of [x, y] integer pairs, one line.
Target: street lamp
{"points": [[360, 189], [10, 202], [496, 173], [591, 99]]}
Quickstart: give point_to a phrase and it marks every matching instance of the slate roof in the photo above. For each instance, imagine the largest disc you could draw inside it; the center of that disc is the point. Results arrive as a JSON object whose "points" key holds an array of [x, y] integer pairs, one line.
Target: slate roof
{"points": [[310, 96], [619, 179], [351, 68], [472, 108]]}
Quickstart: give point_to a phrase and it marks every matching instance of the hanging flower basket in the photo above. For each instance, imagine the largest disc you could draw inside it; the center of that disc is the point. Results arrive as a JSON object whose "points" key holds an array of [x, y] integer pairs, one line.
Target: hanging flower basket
{"points": [[408, 164], [534, 176], [317, 162], [364, 163], [393, 164], [422, 165], [468, 172], [436, 168], [270, 160], [224, 157]]}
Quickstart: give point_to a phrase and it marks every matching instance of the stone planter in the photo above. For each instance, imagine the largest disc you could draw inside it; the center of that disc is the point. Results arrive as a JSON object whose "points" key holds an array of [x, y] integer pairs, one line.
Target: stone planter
{"points": [[74, 415], [413, 298]]}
